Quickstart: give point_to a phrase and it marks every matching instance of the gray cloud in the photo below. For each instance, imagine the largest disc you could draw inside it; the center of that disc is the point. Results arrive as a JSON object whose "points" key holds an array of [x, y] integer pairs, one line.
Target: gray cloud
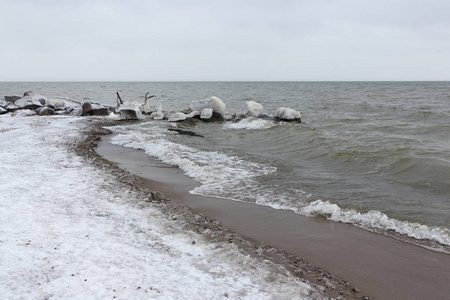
{"points": [[224, 40]]}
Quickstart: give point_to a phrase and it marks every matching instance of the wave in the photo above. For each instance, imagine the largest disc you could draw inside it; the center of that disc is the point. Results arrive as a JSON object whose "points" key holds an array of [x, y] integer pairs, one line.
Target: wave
{"points": [[249, 124], [224, 175], [373, 220]]}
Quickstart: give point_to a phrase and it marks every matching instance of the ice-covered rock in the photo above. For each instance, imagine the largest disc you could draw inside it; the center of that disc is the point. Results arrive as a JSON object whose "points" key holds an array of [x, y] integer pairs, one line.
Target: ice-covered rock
{"points": [[37, 97], [95, 109], [193, 114], [206, 113], [287, 114], [45, 111], [23, 113], [178, 116], [250, 109], [28, 102], [12, 98], [10, 107], [157, 115], [213, 103]]}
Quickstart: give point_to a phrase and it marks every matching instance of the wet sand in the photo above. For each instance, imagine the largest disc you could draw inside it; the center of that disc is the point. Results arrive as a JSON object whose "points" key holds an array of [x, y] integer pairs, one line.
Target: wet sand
{"points": [[379, 266]]}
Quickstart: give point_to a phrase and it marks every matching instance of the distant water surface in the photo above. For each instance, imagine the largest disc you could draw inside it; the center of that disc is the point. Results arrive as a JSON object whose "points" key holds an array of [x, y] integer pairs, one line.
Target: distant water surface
{"points": [[375, 154]]}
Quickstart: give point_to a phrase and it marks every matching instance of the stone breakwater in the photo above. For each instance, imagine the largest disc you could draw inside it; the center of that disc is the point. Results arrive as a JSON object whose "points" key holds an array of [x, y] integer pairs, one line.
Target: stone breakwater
{"points": [[32, 103]]}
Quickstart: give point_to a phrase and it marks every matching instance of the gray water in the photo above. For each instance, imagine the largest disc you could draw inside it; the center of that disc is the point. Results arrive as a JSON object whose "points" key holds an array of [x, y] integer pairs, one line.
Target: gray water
{"points": [[375, 154]]}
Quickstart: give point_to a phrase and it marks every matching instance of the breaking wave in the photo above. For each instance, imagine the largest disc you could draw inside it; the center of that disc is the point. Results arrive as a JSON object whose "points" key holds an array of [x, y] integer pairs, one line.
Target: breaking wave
{"points": [[374, 220], [250, 124]]}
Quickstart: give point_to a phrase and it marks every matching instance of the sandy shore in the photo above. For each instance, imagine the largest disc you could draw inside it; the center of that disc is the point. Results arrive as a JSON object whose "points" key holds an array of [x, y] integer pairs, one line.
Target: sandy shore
{"points": [[378, 266], [173, 200]]}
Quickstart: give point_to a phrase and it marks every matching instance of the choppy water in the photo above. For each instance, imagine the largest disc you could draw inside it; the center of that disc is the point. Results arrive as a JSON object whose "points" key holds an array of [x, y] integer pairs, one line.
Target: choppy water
{"points": [[375, 154]]}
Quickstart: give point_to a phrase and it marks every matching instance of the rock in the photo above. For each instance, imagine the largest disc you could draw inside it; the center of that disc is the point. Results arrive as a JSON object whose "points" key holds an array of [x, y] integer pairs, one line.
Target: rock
{"points": [[3, 111], [27, 102], [45, 111], [250, 109], [158, 196], [177, 117], [213, 103], [216, 117], [23, 113], [10, 107], [206, 113], [288, 114], [12, 98], [94, 109], [37, 97]]}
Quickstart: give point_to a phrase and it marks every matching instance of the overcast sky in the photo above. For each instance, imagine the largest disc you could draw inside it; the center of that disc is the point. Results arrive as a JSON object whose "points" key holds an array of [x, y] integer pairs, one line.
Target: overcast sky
{"points": [[211, 40]]}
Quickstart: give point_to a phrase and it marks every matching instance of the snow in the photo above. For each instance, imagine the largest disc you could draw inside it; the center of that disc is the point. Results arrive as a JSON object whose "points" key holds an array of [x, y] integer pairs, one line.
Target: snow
{"points": [[68, 230]]}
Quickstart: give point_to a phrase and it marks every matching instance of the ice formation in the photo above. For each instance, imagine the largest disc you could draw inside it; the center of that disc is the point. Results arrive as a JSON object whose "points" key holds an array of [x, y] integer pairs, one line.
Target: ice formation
{"points": [[214, 103], [285, 113], [251, 109], [206, 113], [178, 116]]}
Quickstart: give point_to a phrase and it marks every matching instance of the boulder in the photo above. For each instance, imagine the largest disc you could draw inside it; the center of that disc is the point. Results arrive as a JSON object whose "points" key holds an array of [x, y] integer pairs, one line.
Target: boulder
{"points": [[206, 113], [10, 107], [45, 111], [94, 109], [12, 98], [23, 113], [288, 114], [27, 102], [213, 103], [250, 109], [37, 97]]}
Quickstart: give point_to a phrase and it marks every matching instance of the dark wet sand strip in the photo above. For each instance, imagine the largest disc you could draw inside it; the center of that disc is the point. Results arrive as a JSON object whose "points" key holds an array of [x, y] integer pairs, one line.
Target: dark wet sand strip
{"points": [[381, 267]]}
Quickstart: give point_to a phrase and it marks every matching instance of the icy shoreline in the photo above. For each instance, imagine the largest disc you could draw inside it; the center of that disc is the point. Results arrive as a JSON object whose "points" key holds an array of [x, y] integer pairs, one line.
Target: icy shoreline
{"points": [[72, 230]]}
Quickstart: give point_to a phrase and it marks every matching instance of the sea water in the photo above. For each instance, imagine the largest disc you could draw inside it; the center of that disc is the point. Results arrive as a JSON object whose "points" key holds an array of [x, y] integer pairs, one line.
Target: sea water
{"points": [[374, 154]]}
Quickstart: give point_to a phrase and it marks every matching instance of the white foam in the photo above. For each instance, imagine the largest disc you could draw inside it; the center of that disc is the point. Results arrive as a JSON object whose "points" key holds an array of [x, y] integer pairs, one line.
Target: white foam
{"points": [[376, 220], [249, 123], [68, 230], [219, 174]]}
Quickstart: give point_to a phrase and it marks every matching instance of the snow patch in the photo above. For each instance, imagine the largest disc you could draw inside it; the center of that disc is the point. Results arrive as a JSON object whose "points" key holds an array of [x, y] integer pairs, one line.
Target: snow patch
{"points": [[68, 230]]}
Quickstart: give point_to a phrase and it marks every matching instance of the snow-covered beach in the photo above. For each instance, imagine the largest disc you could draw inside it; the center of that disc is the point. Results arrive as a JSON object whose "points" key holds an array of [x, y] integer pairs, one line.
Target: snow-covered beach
{"points": [[70, 230]]}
